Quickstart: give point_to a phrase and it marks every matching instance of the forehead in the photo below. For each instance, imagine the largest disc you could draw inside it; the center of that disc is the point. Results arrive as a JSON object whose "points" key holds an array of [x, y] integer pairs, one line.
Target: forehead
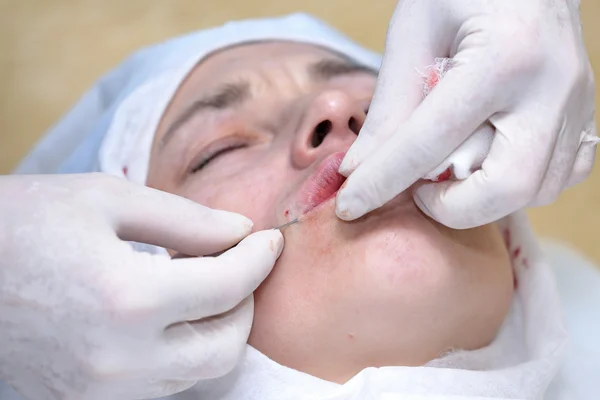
{"points": [[238, 61], [258, 55], [245, 59]]}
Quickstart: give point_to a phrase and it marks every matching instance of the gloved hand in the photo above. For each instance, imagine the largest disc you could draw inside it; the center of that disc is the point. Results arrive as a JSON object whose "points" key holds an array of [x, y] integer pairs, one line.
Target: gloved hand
{"points": [[521, 64], [84, 316]]}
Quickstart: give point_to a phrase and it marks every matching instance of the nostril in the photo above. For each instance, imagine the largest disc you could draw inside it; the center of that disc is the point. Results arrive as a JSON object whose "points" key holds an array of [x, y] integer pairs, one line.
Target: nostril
{"points": [[353, 125], [321, 130]]}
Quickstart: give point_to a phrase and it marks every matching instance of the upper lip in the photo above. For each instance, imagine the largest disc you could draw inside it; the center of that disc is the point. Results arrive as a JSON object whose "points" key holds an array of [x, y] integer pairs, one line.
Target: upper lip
{"points": [[323, 184]]}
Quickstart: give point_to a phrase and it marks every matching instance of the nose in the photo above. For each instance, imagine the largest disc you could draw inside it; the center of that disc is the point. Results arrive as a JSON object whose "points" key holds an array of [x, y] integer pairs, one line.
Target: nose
{"points": [[331, 122]]}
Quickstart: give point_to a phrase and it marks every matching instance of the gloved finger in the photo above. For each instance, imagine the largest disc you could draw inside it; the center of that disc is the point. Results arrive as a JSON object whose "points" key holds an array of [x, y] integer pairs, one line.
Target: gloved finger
{"points": [[208, 348], [467, 158], [586, 154], [151, 216], [433, 131], [558, 171], [508, 179], [194, 288], [411, 45]]}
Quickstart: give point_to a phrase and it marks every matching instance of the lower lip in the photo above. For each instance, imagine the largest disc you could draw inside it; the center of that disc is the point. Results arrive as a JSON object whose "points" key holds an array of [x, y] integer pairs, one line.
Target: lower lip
{"points": [[321, 203]]}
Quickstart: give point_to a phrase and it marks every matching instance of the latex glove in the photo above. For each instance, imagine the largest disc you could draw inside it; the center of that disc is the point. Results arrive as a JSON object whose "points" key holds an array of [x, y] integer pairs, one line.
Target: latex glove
{"points": [[521, 64], [84, 316]]}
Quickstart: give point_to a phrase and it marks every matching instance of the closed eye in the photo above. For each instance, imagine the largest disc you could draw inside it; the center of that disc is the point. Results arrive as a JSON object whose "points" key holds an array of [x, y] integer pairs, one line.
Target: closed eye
{"points": [[216, 154]]}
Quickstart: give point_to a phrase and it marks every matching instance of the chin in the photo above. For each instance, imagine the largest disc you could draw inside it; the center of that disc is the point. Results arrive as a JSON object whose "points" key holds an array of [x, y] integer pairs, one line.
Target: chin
{"points": [[391, 288]]}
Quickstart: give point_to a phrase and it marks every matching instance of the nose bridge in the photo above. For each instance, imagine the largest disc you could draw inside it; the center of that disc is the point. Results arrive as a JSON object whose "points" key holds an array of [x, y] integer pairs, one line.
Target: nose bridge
{"points": [[331, 121]]}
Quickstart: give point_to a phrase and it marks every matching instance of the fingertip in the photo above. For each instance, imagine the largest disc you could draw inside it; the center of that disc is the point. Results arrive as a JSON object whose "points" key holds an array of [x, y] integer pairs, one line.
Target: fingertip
{"points": [[348, 206], [356, 153], [343, 213], [347, 166], [279, 242], [239, 222], [273, 237]]}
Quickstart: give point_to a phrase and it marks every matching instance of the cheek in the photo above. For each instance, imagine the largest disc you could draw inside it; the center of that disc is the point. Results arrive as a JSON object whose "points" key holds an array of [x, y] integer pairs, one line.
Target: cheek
{"points": [[245, 194], [428, 269], [406, 265], [421, 256]]}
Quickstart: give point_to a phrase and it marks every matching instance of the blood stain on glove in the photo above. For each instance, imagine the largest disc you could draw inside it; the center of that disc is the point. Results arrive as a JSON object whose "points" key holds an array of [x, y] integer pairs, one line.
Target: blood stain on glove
{"points": [[434, 73], [432, 79], [444, 176]]}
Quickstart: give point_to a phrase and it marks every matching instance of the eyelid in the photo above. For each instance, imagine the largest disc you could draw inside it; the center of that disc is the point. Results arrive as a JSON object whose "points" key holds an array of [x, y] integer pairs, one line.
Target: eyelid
{"points": [[215, 149], [215, 155]]}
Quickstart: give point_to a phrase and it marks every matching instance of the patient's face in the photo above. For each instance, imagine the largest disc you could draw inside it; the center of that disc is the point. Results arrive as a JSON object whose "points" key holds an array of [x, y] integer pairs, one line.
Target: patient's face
{"points": [[270, 126]]}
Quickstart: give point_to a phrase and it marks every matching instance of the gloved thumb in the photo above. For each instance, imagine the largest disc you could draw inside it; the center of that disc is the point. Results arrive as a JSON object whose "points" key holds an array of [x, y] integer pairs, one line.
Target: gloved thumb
{"points": [[411, 44], [147, 215]]}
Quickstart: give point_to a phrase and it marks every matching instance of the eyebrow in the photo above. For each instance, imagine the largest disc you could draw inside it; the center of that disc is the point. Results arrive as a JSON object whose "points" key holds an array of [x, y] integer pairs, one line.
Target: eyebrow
{"points": [[329, 68], [233, 94], [226, 96]]}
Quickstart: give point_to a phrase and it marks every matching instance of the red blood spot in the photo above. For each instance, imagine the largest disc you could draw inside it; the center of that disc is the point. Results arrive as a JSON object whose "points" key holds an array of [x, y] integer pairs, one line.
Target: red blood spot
{"points": [[286, 213], [125, 170], [432, 80], [516, 252], [444, 176]]}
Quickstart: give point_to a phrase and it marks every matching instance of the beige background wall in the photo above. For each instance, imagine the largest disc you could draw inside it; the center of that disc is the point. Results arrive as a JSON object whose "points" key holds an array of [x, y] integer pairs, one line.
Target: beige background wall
{"points": [[52, 50]]}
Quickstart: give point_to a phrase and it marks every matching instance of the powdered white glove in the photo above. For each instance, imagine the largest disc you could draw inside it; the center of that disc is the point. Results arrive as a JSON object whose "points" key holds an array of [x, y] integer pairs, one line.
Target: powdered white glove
{"points": [[519, 63], [84, 316]]}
